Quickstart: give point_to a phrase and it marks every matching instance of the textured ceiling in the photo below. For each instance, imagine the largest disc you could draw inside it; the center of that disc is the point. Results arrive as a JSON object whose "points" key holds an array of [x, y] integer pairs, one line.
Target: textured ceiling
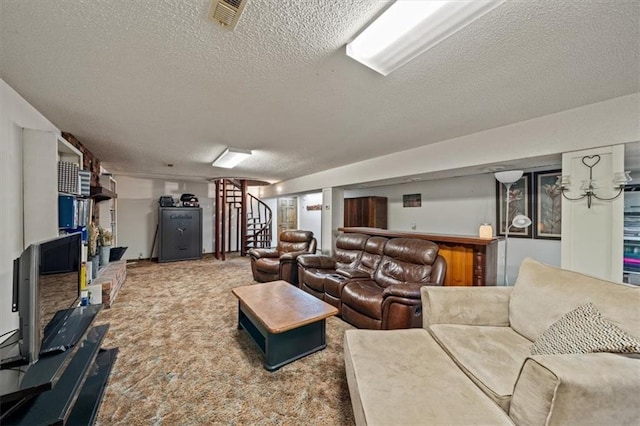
{"points": [[148, 82]]}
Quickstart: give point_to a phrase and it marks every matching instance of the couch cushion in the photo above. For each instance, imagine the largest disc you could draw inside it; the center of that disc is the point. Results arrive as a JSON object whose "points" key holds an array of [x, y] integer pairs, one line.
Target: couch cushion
{"points": [[490, 356], [364, 297], [583, 330], [349, 248], [577, 389], [293, 241], [406, 260], [268, 264], [372, 255], [542, 294], [403, 377]]}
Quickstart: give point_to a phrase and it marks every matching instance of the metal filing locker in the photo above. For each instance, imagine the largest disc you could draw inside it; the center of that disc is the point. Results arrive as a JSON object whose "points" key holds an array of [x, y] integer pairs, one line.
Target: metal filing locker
{"points": [[180, 233]]}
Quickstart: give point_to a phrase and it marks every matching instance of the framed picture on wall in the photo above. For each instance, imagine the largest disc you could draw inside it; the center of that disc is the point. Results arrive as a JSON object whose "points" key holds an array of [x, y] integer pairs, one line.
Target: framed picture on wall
{"points": [[519, 203], [412, 200], [547, 202]]}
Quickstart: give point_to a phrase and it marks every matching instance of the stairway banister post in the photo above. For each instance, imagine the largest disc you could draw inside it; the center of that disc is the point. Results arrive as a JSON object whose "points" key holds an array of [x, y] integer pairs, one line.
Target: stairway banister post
{"points": [[244, 216]]}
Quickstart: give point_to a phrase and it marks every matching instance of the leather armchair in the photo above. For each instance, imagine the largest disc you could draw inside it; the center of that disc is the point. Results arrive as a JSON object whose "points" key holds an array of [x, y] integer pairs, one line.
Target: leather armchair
{"points": [[391, 298], [280, 263]]}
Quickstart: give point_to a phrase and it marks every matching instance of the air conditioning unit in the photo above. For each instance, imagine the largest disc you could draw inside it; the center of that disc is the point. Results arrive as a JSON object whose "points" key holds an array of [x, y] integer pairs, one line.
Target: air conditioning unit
{"points": [[226, 12]]}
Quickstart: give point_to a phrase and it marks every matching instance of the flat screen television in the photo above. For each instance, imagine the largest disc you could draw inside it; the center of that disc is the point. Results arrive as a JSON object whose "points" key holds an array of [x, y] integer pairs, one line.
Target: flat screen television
{"points": [[46, 284]]}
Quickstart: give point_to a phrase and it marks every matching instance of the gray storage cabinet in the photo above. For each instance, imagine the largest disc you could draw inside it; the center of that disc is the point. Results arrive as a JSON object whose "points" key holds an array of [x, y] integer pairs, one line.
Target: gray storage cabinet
{"points": [[180, 233]]}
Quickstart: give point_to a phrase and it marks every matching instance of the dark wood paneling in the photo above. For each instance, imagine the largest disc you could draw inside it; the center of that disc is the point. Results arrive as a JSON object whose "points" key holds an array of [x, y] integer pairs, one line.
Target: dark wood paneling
{"points": [[366, 211]]}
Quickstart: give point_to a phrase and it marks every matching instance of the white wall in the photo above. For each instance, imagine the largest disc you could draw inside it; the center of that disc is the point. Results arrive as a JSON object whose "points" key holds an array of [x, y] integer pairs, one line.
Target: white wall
{"points": [[138, 211], [458, 206], [15, 114], [311, 220], [332, 217], [610, 122], [449, 206], [592, 237]]}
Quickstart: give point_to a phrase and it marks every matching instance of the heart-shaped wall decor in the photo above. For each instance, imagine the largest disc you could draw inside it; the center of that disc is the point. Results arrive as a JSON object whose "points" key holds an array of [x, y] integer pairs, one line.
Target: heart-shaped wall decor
{"points": [[590, 160]]}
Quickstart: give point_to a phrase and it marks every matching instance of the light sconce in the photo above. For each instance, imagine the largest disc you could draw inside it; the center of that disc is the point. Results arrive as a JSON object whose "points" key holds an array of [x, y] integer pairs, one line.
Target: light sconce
{"points": [[231, 157], [589, 186]]}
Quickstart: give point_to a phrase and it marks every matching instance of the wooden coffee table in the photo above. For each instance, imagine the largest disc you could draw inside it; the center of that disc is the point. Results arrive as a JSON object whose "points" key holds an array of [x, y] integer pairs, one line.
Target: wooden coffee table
{"points": [[285, 322]]}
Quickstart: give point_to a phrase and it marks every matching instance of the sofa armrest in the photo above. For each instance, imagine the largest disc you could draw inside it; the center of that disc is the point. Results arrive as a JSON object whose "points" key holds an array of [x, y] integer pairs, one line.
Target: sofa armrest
{"points": [[291, 256], [258, 253], [317, 261], [353, 273], [600, 388], [466, 305], [407, 291]]}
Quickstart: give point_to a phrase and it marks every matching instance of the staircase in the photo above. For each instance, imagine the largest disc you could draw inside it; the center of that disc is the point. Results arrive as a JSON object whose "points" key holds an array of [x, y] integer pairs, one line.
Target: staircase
{"points": [[241, 221]]}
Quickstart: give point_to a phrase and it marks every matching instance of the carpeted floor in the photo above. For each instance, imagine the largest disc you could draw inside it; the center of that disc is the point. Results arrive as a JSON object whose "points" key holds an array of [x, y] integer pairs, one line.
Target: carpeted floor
{"points": [[183, 361]]}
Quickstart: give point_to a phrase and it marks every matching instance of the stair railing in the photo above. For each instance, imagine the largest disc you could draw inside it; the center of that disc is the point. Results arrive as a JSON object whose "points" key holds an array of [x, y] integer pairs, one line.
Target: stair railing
{"points": [[253, 219]]}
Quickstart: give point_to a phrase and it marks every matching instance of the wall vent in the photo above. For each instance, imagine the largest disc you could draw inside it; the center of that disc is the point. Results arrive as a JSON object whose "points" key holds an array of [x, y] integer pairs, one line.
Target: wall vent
{"points": [[226, 12]]}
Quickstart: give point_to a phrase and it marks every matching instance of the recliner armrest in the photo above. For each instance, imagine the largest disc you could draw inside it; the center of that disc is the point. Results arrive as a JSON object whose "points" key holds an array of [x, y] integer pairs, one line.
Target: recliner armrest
{"points": [[258, 253], [291, 256], [317, 261], [597, 389], [466, 305], [407, 291], [352, 273]]}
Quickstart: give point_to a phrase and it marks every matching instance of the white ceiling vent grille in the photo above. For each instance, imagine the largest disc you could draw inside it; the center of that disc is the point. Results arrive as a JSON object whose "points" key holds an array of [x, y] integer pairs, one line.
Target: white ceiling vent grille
{"points": [[226, 12]]}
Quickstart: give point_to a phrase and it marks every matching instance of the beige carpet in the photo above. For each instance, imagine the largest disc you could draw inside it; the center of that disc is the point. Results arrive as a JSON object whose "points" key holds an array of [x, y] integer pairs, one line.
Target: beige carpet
{"points": [[183, 361]]}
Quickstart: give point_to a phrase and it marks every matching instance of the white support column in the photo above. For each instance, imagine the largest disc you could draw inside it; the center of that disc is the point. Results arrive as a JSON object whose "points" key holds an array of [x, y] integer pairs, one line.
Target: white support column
{"points": [[332, 216], [592, 238]]}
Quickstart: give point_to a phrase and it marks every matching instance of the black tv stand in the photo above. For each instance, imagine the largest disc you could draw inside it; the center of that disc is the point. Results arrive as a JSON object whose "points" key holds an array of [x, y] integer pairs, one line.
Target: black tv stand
{"points": [[61, 387], [66, 328], [13, 362]]}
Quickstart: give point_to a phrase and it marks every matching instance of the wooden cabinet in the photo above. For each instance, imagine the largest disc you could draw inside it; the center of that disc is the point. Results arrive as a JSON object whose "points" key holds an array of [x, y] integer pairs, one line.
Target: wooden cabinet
{"points": [[459, 264], [366, 211], [471, 261]]}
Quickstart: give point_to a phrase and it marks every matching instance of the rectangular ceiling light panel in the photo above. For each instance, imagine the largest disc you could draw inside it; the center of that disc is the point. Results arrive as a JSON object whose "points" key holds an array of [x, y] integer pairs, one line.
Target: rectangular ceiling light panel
{"points": [[408, 28], [231, 157]]}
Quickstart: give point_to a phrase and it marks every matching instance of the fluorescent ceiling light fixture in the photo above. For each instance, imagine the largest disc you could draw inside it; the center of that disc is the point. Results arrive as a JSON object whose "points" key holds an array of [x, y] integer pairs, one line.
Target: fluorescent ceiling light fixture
{"points": [[231, 157], [408, 28]]}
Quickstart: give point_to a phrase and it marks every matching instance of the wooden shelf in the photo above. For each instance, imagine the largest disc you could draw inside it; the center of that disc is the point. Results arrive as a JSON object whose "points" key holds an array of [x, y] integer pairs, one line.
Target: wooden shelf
{"points": [[99, 193]]}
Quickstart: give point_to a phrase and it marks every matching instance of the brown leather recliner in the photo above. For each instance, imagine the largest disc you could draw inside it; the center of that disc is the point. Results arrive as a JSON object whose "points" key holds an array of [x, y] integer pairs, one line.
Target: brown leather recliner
{"points": [[314, 268], [391, 298], [281, 263]]}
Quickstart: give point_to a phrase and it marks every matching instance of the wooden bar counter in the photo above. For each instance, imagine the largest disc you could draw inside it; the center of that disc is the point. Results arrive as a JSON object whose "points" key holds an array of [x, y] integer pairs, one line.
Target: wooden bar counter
{"points": [[471, 261]]}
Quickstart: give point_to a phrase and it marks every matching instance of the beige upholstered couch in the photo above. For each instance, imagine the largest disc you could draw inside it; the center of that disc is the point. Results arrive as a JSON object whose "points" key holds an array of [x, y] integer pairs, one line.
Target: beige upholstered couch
{"points": [[471, 363]]}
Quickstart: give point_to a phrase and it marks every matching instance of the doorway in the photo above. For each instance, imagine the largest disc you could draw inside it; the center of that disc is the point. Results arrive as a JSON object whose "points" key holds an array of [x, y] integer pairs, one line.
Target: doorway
{"points": [[287, 214]]}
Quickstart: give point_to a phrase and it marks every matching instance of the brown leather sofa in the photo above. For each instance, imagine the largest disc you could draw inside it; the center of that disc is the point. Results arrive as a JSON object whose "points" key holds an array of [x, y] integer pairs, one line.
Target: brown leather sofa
{"points": [[280, 263], [381, 289], [356, 257], [391, 298], [313, 269]]}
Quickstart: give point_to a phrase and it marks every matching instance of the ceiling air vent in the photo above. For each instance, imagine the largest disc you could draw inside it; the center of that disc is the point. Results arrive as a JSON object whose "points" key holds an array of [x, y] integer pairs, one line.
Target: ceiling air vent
{"points": [[226, 12]]}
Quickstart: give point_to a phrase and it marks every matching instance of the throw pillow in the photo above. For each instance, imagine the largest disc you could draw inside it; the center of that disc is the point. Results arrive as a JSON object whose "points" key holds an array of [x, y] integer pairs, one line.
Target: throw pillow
{"points": [[583, 330]]}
